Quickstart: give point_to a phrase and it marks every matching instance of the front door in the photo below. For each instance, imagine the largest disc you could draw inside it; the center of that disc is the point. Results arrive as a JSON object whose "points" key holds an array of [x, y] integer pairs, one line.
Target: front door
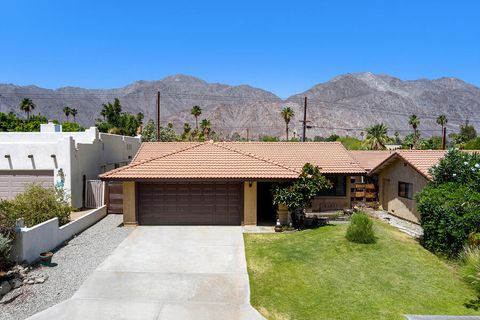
{"points": [[385, 193]]}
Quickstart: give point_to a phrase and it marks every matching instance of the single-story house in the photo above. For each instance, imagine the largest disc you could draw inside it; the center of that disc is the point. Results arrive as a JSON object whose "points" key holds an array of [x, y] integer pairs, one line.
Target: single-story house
{"points": [[63, 159], [225, 183], [400, 176]]}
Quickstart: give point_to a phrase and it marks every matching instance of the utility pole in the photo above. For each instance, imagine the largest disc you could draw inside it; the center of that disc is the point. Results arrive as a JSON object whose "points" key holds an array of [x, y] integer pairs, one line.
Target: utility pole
{"points": [[158, 115], [444, 138], [304, 122]]}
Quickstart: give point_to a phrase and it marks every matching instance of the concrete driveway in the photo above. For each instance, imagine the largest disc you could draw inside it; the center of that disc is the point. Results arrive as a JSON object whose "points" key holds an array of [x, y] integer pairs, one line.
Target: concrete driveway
{"points": [[169, 272]]}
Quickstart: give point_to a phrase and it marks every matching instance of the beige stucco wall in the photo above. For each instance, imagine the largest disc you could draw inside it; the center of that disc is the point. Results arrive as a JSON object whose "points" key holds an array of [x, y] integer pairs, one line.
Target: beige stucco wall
{"points": [[388, 190], [250, 203], [333, 203], [129, 207]]}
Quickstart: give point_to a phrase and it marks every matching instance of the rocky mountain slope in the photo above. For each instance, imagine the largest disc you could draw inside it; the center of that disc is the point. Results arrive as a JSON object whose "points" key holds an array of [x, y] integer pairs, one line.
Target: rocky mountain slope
{"points": [[343, 105]]}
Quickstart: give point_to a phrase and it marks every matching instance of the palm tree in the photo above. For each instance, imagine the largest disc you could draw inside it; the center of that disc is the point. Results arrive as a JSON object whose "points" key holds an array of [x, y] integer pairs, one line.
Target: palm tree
{"points": [[27, 106], [287, 115], [186, 128], [376, 136], [442, 120], [414, 122], [196, 112], [67, 111], [205, 125], [74, 113]]}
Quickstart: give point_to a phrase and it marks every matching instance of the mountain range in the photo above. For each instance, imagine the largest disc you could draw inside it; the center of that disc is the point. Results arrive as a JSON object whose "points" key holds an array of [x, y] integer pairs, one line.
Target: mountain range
{"points": [[345, 105]]}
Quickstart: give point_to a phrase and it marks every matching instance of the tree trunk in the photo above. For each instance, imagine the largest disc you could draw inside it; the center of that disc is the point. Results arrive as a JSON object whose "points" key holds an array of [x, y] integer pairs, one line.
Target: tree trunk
{"points": [[286, 130]]}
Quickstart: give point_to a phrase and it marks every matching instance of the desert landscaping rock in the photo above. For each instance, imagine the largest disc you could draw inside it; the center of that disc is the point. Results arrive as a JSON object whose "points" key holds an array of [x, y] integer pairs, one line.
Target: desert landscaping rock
{"points": [[71, 265], [5, 288]]}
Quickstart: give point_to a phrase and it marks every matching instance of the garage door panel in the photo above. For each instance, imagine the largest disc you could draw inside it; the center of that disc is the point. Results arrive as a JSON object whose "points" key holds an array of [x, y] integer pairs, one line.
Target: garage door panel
{"points": [[190, 204], [13, 182]]}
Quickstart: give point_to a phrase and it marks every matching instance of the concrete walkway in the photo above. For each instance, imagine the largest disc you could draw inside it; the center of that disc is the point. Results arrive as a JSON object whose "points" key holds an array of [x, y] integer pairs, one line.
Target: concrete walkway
{"points": [[166, 273]]}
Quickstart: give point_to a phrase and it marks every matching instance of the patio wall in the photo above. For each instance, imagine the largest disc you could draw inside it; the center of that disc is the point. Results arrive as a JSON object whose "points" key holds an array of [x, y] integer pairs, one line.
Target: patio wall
{"points": [[46, 236]]}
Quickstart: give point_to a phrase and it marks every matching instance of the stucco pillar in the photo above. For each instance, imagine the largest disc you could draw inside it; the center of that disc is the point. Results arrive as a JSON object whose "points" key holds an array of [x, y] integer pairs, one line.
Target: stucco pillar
{"points": [[129, 207], [250, 203]]}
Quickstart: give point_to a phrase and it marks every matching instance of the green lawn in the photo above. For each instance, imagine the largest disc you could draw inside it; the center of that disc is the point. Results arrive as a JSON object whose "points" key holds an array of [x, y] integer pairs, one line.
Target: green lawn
{"points": [[318, 274]]}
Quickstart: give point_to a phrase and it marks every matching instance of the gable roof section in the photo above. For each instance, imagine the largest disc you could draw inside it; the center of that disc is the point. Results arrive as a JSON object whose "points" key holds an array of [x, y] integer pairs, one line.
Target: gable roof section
{"points": [[232, 160], [369, 159], [201, 161], [420, 160], [331, 157]]}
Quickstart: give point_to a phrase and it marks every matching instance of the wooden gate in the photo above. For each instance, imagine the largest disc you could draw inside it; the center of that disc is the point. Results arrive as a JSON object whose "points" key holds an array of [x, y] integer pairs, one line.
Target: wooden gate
{"points": [[94, 194], [115, 197]]}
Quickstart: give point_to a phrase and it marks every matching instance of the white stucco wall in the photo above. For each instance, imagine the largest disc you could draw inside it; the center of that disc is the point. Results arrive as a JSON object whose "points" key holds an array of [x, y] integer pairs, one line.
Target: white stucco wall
{"points": [[46, 236], [86, 153]]}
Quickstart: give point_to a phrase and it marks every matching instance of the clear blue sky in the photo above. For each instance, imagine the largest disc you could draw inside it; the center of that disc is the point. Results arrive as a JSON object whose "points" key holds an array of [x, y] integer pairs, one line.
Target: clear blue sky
{"points": [[283, 47]]}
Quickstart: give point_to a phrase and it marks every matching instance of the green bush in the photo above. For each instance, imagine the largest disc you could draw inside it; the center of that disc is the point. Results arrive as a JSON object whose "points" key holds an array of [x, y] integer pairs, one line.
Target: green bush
{"points": [[5, 247], [471, 267], [360, 229], [35, 205], [449, 213]]}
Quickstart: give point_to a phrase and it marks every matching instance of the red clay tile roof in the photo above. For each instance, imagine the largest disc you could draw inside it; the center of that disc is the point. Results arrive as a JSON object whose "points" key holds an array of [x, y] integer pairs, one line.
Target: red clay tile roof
{"points": [[234, 160], [369, 159], [420, 160]]}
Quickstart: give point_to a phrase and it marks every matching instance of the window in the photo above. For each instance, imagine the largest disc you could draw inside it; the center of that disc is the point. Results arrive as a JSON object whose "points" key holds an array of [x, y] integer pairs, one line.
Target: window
{"points": [[339, 187], [405, 190]]}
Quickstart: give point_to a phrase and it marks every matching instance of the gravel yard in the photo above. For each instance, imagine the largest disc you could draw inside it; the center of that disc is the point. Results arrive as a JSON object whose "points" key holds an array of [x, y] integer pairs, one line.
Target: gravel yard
{"points": [[74, 263]]}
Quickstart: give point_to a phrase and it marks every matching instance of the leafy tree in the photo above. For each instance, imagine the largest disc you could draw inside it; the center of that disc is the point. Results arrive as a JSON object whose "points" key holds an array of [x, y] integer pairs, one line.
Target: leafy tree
{"points": [[149, 133], [473, 144], [196, 112], [205, 125], [351, 143], [74, 113], [287, 115], [67, 111], [117, 122], [301, 192], [414, 122], [450, 204], [433, 143], [71, 127], [442, 120], [376, 137], [27, 106], [267, 138]]}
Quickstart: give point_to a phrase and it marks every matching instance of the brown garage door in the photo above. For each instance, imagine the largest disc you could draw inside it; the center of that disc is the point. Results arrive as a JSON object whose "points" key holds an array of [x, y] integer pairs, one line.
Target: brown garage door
{"points": [[190, 204], [14, 181]]}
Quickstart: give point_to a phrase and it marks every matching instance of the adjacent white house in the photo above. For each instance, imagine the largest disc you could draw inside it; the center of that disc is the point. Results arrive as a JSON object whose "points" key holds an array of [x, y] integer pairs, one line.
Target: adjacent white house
{"points": [[64, 159]]}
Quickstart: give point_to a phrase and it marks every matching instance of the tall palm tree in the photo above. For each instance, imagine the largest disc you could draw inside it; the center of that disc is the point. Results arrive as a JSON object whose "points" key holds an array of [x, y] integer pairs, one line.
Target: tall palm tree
{"points": [[287, 115], [196, 112], [67, 111], [414, 122], [27, 106], [74, 113], [376, 136], [442, 120], [205, 125]]}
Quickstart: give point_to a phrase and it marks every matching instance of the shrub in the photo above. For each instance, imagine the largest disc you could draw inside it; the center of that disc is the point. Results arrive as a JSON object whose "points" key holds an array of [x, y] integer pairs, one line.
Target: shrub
{"points": [[5, 246], [449, 213], [35, 205], [360, 229], [471, 267]]}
